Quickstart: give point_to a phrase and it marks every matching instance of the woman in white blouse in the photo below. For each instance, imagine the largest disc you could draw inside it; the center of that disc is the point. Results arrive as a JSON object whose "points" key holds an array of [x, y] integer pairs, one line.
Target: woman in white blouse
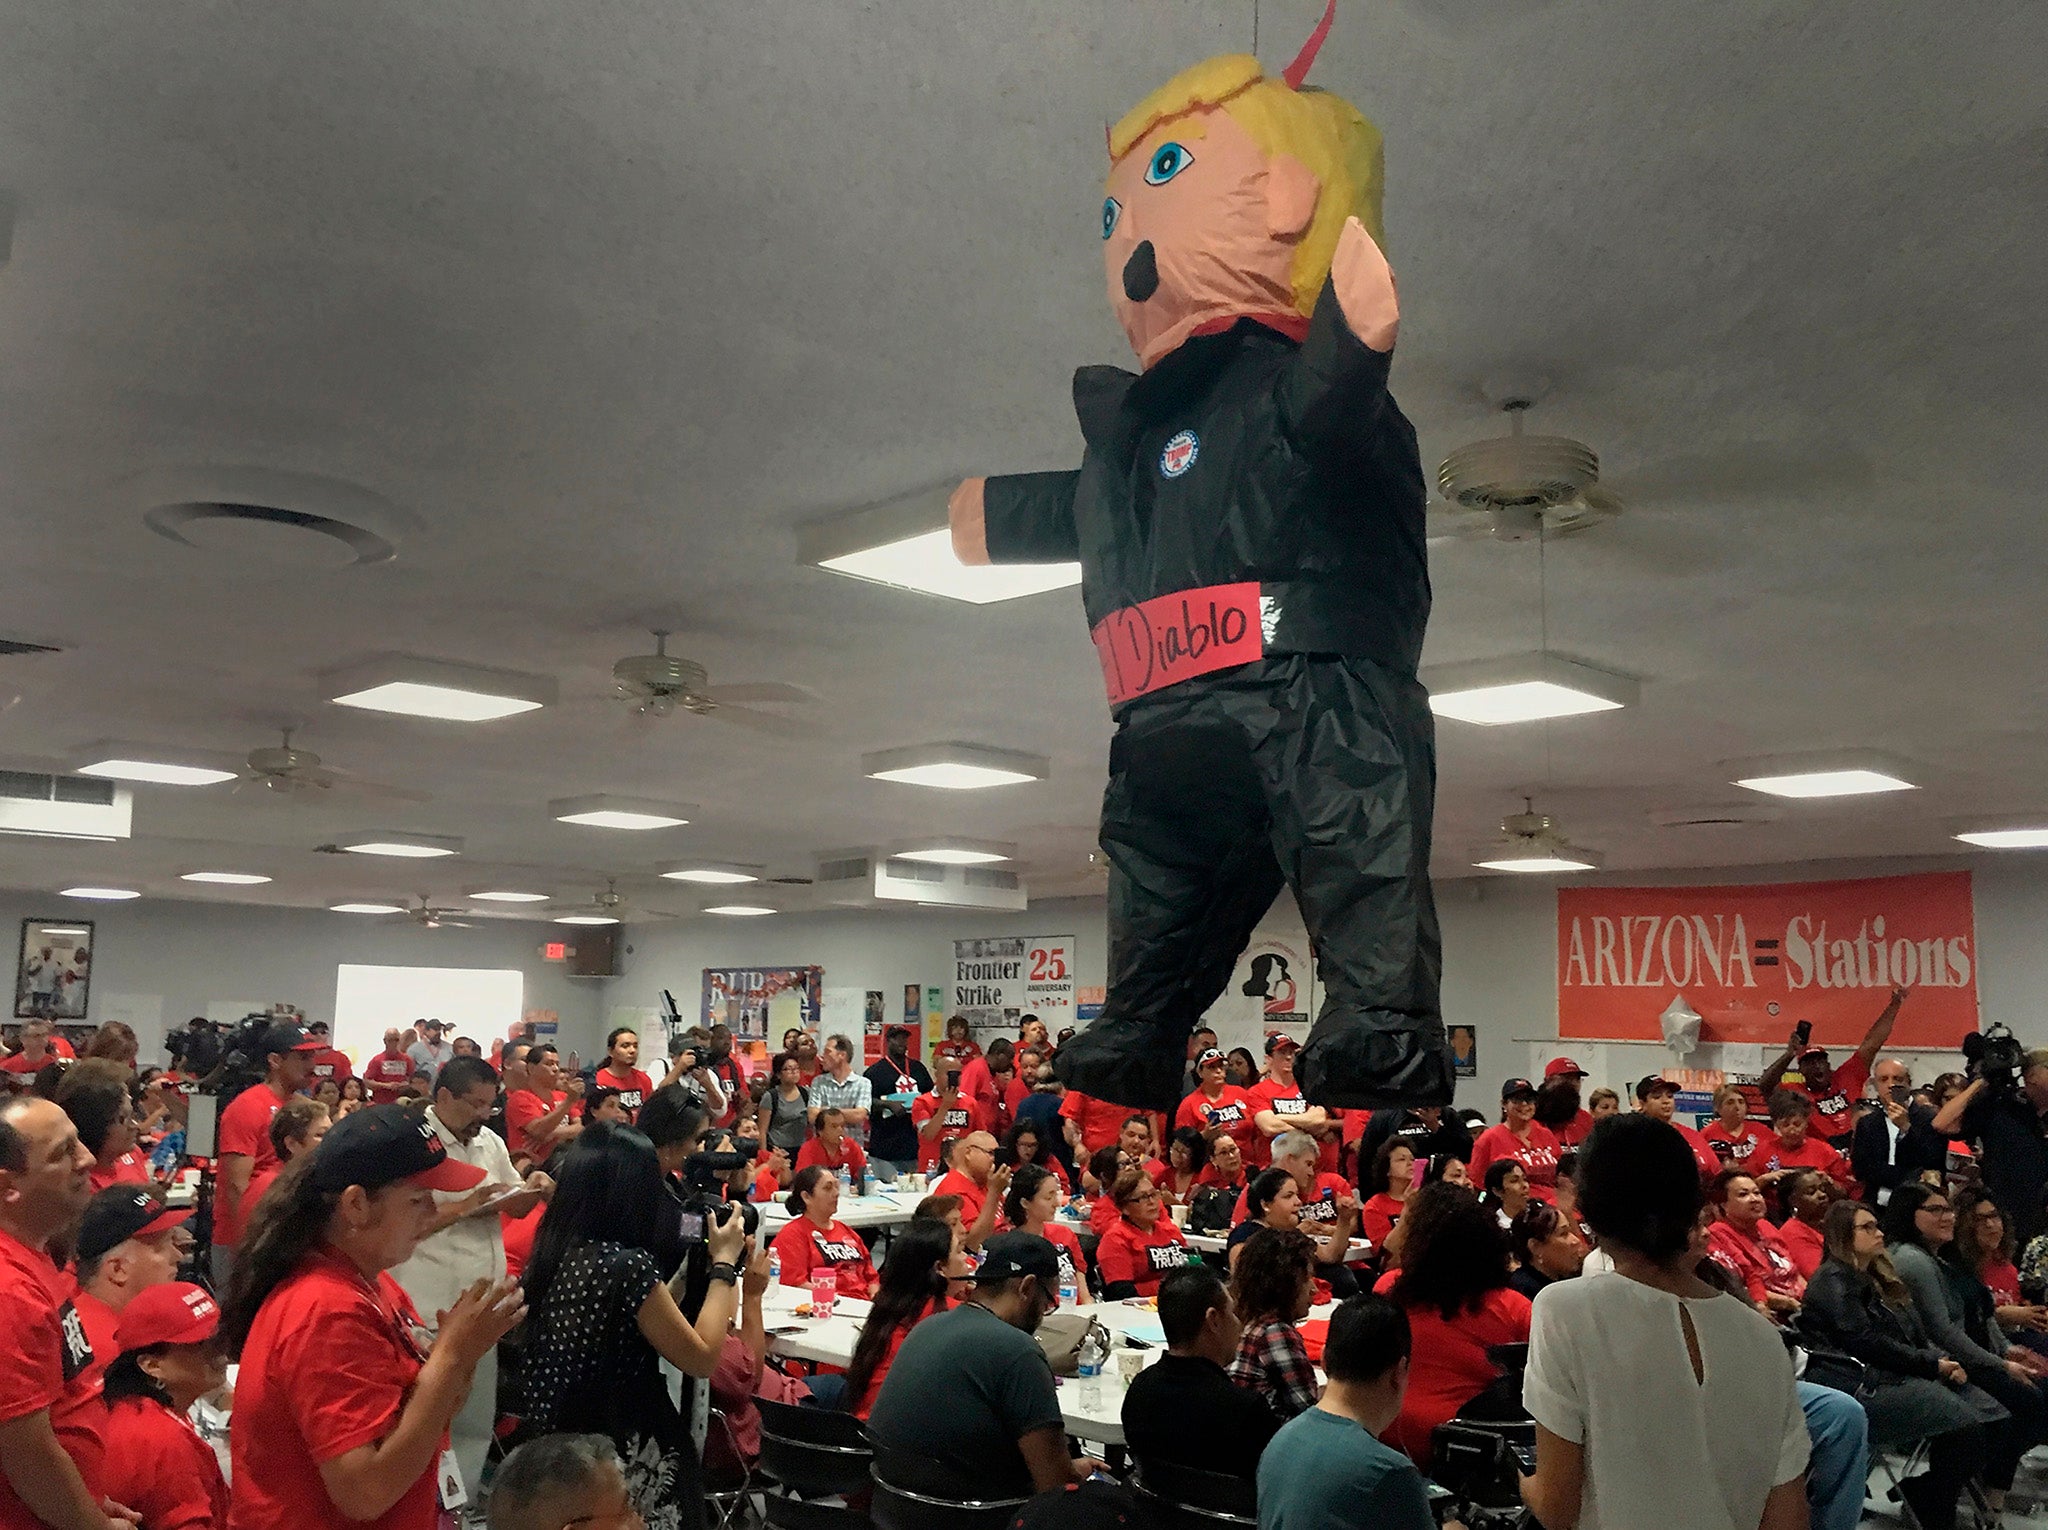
{"points": [[1657, 1399]]}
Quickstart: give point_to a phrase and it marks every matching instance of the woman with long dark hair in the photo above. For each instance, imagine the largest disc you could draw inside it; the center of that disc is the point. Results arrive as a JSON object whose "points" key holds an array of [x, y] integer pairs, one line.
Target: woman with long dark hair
{"points": [[1984, 1248], [1033, 1205], [926, 1267], [94, 1094], [786, 1108], [1387, 1185], [1506, 1194], [1026, 1144], [1920, 1229], [603, 1318], [341, 1413], [155, 1462], [1273, 1201], [1454, 1287], [1857, 1303]]}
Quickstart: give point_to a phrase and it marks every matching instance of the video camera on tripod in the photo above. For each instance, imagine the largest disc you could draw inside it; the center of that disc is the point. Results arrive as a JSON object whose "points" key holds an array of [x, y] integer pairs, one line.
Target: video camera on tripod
{"points": [[1996, 1057]]}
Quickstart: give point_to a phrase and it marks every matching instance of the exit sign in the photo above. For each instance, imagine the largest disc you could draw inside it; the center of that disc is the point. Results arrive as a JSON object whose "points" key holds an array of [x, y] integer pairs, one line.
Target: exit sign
{"points": [[555, 951]]}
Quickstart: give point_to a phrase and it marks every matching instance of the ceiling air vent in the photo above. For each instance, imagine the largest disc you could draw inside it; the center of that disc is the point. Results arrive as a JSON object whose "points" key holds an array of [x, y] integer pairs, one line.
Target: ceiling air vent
{"points": [[866, 879], [63, 807]]}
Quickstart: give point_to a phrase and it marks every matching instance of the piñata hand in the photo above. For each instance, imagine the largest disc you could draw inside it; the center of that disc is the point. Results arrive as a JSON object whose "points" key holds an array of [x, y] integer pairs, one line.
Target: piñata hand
{"points": [[970, 529], [1365, 291]]}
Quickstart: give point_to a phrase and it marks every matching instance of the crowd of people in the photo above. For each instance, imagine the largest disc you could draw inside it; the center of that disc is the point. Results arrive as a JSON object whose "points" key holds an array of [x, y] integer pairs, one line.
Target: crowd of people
{"points": [[447, 1248]]}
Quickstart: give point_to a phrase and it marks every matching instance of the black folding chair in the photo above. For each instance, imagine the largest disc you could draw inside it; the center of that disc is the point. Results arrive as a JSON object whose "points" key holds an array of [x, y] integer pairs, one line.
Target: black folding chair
{"points": [[1185, 1498], [812, 1452]]}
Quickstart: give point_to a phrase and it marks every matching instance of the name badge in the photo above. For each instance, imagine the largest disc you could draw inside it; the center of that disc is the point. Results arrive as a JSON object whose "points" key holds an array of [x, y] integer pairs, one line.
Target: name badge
{"points": [[1171, 638], [449, 1478]]}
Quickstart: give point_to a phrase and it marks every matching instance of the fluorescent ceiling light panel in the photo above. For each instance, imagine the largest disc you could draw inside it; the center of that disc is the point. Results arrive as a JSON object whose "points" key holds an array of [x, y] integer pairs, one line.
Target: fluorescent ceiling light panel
{"points": [[150, 764], [586, 919], [102, 894], [1525, 688], [2006, 839], [1549, 858], [603, 811], [226, 878], [740, 910], [502, 895], [365, 908], [1826, 783], [713, 876], [906, 543], [414, 687], [955, 766], [948, 851], [411, 847]]}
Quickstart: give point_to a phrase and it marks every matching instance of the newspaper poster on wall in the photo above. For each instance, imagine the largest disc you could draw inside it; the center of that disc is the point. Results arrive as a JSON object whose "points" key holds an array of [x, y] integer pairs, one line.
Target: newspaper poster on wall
{"points": [[1272, 988], [759, 1002], [999, 979]]}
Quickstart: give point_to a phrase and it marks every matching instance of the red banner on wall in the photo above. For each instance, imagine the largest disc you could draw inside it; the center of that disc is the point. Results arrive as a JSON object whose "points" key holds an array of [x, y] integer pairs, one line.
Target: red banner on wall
{"points": [[1754, 961]]}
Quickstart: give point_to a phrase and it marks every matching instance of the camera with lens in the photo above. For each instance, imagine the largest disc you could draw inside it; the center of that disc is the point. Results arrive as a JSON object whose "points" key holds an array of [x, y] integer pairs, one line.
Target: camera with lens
{"points": [[1996, 1057], [705, 1174], [1478, 1458]]}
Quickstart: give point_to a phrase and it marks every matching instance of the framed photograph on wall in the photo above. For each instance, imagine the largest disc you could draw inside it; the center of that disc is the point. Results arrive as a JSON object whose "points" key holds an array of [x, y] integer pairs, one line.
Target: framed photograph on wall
{"points": [[1464, 1050], [53, 972]]}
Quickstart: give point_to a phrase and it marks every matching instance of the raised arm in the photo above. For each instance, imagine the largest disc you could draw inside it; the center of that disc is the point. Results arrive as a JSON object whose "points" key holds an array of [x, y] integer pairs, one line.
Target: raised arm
{"points": [[1881, 1029], [1017, 518], [1332, 392]]}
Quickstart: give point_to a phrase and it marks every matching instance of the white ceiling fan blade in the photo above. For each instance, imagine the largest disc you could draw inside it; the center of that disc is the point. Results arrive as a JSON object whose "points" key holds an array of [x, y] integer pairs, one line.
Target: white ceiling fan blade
{"points": [[766, 693]]}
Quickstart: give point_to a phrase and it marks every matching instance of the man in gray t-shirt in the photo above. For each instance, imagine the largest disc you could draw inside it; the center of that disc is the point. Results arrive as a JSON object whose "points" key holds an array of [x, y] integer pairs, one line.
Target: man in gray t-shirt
{"points": [[968, 1408], [430, 1052]]}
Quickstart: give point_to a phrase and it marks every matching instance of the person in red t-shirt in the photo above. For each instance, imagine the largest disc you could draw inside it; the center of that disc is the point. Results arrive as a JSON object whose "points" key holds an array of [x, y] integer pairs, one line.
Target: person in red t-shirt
{"points": [[244, 1138], [1557, 1102], [1219, 1108], [832, 1149], [1731, 1133], [156, 1462], [815, 1239], [40, 1046], [295, 1130], [1747, 1246], [329, 1063], [772, 1174], [1792, 1145], [1657, 1098], [979, 1183], [1096, 1123], [1520, 1138], [341, 1409], [1032, 1205], [1281, 1108], [538, 1117], [925, 1267], [621, 1071], [1323, 1195], [986, 1080], [959, 1048], [1805, 1195], [1225, 1168], [389, 1071], [1834, 1091], [51, 1417], [943, 1115], [126, 1244], [94, 1094], [1142, 1245]]}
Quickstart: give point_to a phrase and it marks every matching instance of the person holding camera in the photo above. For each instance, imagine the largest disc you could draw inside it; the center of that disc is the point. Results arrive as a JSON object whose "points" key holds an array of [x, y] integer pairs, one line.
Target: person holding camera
{"points": [[603, 1314], [2004, 1111]]}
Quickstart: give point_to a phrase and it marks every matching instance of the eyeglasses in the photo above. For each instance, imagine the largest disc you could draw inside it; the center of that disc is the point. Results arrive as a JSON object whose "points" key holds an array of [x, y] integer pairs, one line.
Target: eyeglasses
{"points": [[1863, 1227], [1938, 1209]]}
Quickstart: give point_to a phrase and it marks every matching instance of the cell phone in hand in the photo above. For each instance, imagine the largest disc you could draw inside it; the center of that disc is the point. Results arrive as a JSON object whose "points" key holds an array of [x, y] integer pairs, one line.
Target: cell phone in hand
{"points": [[1900, 1094], [1803, 1032]]}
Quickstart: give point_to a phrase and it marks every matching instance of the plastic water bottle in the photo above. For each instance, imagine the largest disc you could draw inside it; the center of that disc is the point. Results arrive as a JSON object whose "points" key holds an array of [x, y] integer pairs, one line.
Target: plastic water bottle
{"points": [[1070, 1296], [1093, 1354], [845, 1180], [774, 1265]]}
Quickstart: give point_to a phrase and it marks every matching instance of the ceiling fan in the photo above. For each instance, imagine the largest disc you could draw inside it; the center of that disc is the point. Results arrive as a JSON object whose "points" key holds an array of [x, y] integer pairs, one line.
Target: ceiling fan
{"points": [[1515, 487], [613, 904], [659, 684], [292, 772], [429, 916]]}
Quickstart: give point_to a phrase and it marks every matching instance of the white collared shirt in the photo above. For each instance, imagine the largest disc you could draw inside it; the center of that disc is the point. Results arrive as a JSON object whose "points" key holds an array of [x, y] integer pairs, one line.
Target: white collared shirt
{"points": [[464, 1252]]}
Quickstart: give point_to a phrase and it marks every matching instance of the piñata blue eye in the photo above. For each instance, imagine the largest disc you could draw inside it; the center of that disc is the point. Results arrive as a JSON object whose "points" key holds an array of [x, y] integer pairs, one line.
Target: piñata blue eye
{"points": [[1168, 160], [1110, 208]]}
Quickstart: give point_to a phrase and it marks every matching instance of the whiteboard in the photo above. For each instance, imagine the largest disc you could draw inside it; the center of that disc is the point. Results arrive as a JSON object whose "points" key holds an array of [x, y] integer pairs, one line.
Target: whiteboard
{"points": [[478, 1002]]}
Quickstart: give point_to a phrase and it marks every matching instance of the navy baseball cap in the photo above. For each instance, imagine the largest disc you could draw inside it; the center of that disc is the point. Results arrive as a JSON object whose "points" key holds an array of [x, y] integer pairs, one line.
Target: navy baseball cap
{"points": [[121, 1212], [384, 1144]]}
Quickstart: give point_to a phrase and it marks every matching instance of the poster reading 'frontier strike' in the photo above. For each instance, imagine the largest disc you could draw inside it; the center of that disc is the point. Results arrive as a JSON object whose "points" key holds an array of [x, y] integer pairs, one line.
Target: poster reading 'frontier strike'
{"points": [[1754, 961], [998, 979]]}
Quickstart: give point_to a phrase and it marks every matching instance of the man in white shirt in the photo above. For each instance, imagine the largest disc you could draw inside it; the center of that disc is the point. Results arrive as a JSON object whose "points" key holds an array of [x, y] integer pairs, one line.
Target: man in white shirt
{"points": [[464, 1244], [430, 1052]]}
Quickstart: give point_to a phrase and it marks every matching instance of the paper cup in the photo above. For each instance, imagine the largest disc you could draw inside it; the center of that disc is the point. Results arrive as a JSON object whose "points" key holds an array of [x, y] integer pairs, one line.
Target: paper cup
{"points": [[1180, 1214]]}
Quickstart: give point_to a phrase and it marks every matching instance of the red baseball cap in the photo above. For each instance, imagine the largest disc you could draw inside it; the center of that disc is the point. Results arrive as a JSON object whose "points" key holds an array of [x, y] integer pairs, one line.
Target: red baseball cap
{"points": [[172, 1313], [1558, 1067]]}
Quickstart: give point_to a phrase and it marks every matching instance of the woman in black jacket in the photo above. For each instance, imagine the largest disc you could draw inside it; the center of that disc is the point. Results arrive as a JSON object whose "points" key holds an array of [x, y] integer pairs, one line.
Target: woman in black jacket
{"points": [[1857, 1302]]}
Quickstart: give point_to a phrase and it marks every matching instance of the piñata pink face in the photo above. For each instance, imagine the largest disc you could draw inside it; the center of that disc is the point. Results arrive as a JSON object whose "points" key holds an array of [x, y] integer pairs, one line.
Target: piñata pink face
{"points": [[1199, 229]]}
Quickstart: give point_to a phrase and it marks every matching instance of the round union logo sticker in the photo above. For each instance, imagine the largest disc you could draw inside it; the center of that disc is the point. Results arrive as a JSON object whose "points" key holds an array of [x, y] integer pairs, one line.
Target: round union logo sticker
{"points": [[1179, 454]]}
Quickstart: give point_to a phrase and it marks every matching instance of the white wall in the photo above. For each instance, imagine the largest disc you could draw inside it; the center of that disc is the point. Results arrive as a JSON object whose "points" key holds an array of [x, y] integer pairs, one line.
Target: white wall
{"points": [[157, 963]]}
